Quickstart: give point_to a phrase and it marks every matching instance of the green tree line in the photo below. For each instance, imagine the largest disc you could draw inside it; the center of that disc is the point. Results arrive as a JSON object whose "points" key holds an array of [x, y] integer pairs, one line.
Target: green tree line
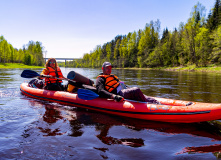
{"points": [[31, 54], [195, 42]]}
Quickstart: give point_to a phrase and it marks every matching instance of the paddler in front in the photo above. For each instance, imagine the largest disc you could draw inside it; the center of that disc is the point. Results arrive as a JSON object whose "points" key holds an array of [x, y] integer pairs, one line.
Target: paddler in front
{"points": [[53, 81], [109, 86]]}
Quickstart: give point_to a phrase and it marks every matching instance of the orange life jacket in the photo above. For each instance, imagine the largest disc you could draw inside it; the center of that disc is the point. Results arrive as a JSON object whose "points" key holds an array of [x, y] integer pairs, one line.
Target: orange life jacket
{"points": [[111, 82], [53, 72]]}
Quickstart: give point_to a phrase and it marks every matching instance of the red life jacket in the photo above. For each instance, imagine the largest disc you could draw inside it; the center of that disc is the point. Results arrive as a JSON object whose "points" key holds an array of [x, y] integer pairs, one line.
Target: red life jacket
{"points": [[111, 82], [55, 73]]}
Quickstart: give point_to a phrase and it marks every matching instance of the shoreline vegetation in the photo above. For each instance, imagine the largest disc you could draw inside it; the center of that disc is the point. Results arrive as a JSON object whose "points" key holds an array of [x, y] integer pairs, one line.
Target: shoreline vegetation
{"points": [[195, 42], [30, 55], [17, 65], [191, 68], [194, 46]]}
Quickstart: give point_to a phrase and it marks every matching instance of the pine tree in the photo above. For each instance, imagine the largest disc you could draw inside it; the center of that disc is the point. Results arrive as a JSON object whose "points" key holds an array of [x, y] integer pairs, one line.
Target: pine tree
{"points": [[165, 34], [214, 17]]}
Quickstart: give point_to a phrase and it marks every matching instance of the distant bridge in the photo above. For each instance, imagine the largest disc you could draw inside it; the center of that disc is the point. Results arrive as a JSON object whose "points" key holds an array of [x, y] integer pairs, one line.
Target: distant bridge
{"points": [[63, 59]]}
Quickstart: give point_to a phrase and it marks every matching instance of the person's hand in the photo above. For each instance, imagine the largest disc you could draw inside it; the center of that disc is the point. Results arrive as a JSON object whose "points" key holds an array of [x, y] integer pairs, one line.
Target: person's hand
{"points": [[118, 98], [47, 76]]}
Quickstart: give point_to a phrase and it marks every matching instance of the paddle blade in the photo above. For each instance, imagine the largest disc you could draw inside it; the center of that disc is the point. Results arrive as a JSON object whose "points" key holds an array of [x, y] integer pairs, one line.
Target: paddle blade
{"points": [[87, 94], [71, 75], [29, 74]]}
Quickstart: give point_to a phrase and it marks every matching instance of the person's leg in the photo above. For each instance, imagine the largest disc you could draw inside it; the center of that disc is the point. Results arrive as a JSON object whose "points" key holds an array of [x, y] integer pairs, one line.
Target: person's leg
{"points": [[53, 87], [135, 93], [151, 100]]}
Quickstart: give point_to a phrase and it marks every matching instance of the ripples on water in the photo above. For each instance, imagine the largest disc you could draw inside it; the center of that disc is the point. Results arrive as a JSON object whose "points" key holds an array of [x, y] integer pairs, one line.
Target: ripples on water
{"points": [[33, 129]]}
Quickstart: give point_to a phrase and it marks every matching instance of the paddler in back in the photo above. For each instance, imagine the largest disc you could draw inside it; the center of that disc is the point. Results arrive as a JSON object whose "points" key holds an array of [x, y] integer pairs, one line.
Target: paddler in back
{"points": [[109, 86], [52, 82]]}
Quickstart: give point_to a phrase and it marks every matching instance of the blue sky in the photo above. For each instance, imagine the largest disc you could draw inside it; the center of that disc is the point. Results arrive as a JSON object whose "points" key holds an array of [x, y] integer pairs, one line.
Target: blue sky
{"points": [[71, 28]]}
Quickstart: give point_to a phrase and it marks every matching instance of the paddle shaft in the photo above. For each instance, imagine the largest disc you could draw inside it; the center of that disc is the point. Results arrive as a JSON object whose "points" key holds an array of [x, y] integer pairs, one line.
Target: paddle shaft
{"points": [[46, 76], [32, 74]]}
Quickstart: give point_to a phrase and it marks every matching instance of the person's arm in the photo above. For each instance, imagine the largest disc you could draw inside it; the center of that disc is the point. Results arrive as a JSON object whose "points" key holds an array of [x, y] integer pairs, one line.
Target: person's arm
{"points": [[44, 72], [100, 88]]}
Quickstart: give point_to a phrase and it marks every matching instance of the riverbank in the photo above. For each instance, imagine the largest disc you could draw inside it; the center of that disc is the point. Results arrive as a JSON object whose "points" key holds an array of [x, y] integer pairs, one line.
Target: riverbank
{"points": [[16, 65], [192, 68]]}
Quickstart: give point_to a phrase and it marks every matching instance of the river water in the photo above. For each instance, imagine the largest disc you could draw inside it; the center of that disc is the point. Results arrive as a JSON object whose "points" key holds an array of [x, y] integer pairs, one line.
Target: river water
{"points": [[34, 129]]}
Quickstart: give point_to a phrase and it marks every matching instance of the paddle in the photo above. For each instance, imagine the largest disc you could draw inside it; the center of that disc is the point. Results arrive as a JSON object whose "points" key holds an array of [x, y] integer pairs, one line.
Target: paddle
{"points": [[86, 94], [31, 74]]}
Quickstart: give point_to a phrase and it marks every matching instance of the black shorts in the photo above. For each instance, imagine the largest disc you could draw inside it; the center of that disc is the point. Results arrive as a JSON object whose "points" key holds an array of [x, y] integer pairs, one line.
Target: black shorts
{"points": [[54, 87]]}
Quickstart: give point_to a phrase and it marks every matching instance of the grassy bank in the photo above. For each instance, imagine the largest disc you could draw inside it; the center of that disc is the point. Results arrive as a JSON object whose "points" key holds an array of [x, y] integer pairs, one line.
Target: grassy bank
{"points": [[192, 68], [16, 65]]}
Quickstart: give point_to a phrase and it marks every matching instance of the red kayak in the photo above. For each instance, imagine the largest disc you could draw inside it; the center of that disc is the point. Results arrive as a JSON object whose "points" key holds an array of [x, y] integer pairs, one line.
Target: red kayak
{"points": [[170, 110]]}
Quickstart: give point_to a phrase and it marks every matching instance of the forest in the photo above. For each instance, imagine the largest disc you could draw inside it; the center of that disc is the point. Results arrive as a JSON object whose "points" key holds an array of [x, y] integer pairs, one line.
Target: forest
{"points": [[195, 42], [31, 54]]}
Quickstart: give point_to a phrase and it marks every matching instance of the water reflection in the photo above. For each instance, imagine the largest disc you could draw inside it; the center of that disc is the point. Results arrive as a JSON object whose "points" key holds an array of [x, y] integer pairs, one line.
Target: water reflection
{"points": [[84, 119], [216, 149], [109, 140], [56, 116], [76, 128], [6, 76], [51, 114]]}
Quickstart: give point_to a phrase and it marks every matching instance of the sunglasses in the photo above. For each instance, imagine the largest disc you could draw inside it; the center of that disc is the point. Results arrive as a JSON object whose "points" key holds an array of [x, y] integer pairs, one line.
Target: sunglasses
{"points": [[52, 62]]}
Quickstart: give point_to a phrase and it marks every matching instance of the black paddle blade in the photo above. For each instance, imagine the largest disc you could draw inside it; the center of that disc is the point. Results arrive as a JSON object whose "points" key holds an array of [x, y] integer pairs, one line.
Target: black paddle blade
{"points": [[29, 74], [71, 75]]}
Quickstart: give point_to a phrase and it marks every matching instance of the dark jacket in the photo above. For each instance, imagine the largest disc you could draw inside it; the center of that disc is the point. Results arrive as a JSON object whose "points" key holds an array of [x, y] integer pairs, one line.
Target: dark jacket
{"points": [[100, 85]]}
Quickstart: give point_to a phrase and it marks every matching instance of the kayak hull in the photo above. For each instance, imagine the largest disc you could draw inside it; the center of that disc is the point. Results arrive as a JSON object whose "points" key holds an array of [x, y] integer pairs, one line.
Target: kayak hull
{"points": [[171, 110]]}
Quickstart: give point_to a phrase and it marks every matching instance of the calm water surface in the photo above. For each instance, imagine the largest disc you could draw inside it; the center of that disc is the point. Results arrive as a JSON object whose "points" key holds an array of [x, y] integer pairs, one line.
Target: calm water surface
{"points": [[34, 129]]}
